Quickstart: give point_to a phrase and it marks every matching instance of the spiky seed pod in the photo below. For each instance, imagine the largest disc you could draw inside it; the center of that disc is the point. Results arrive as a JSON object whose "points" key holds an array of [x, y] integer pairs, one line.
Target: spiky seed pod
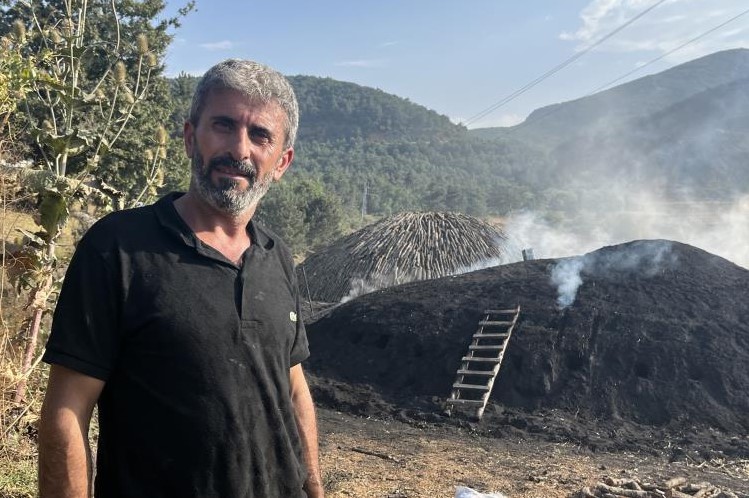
{"points": [[149, 156], [162, 153], [19, 31], [128, 97], [47, 126], [5, 43], [54, 35], [159, 177], [120, 73], [153, 61], [100, 95], [141, 43], [161, 135]]}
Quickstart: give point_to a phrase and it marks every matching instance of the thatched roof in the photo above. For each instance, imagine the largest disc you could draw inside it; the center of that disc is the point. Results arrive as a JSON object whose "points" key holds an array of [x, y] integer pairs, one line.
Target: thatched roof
{"points": [[402, 248]]}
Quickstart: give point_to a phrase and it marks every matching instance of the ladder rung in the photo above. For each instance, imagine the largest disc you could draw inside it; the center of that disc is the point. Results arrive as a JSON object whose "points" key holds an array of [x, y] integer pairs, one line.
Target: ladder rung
{"points": [[470, 386], [499, 312], [476, 372], [479, 359], [497, 346], [493, 323], [491, 336], [467, 401]]}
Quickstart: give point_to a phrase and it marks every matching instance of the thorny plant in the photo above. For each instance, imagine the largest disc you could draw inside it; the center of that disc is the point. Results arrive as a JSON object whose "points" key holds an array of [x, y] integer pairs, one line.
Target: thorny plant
{"points": [[80, 117]]}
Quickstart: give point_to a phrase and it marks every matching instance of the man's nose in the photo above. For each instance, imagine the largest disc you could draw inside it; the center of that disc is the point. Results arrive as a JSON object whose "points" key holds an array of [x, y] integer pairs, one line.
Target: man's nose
{"points": [[240, 146]]}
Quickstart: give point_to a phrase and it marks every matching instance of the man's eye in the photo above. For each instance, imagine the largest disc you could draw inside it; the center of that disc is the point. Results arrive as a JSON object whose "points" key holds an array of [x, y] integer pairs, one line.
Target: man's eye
{"points": [[222, 125], [260, 136]]}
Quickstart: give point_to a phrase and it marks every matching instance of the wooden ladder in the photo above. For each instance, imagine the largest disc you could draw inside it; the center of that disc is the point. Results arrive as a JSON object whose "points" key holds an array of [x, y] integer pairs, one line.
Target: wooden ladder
{"points": [[480, 366]]}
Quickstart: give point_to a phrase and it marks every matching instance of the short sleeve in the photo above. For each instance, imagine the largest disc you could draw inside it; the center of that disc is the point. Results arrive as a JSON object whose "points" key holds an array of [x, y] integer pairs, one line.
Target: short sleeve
{"points": [[84, 333], [300, 349]]}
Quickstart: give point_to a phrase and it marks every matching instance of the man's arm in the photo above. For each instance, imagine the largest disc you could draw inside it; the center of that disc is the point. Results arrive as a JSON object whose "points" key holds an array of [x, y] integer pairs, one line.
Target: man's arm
{"points": [[304, 412], [64, 455]]}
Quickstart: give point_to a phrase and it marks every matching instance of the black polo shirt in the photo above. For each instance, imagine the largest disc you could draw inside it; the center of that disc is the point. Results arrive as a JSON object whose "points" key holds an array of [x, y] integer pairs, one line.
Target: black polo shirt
{"points": [[195, 352]]}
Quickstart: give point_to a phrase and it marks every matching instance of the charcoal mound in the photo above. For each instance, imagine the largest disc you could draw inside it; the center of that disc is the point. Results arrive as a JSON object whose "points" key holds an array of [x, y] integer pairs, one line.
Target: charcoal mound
{"points": [[655, 333]]}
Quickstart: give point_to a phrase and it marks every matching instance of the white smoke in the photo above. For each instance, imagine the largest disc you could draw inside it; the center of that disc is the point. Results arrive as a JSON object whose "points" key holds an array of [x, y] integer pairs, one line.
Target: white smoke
{"points": [[566, 277], [644, 258], [720, 228], [360, 286]]}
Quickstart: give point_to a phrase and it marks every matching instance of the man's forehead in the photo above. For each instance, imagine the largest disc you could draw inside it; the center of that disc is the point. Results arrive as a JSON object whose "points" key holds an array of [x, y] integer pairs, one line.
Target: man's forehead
{"points": [[234, 97]]}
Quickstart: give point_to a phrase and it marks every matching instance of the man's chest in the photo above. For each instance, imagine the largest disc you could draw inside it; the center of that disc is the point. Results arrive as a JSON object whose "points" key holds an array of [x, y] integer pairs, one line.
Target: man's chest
{"points": [[207, 316]]}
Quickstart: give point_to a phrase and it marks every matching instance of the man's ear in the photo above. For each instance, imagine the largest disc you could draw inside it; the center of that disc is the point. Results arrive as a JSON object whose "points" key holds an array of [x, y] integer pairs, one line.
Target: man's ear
{"points": [[189, 136], [283, 163]]}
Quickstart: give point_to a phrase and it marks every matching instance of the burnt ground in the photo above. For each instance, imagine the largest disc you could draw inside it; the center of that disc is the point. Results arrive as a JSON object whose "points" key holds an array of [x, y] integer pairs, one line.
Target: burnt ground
{"points": [[650, 358], [366, 457]]}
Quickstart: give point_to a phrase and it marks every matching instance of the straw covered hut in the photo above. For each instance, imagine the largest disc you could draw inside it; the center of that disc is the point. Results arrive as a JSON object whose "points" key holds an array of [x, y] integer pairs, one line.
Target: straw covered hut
{"points": [[401, 248]]}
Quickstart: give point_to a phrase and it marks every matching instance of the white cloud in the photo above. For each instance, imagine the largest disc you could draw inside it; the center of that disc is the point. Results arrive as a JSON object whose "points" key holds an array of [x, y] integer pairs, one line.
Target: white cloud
{"points": [[663, 28], [366, 63], [220, 45], [388, 44]]}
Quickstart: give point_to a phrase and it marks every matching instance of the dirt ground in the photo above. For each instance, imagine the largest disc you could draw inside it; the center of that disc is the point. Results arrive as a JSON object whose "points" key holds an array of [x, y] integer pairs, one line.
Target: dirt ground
{"points": [[374, 458]]}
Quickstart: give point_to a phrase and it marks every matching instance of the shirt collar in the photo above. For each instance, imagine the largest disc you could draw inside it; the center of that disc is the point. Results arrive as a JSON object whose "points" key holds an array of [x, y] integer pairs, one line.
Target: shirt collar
{"points": [[171, 220]]}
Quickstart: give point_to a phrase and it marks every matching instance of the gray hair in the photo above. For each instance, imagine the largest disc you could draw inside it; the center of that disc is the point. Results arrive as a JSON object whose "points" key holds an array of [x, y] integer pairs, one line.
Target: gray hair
{"points": [[257, 82]]}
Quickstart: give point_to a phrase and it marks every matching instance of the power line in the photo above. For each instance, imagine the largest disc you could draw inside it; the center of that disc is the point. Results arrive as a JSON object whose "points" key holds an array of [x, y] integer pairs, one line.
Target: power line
{"points": [[556, 68], [639, 68], [663, 56]]}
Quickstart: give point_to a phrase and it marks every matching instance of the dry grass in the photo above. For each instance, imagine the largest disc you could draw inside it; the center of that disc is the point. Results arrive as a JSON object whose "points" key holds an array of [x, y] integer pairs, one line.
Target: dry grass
{"points": [[17, 422], [404, 461]]}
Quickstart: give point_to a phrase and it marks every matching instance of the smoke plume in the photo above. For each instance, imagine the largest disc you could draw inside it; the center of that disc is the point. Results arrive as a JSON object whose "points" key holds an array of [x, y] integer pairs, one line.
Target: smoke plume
{"points": [[642, 258], [720, 228]]}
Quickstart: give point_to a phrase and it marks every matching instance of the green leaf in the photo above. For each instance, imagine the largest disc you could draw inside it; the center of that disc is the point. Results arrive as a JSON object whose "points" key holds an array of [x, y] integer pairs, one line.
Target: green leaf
{"points": [[53, 211], [73, 143]]}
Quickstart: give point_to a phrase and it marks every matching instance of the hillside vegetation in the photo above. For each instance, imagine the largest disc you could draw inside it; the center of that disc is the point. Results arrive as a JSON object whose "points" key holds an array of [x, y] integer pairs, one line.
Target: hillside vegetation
{"points": [[682, 130]]}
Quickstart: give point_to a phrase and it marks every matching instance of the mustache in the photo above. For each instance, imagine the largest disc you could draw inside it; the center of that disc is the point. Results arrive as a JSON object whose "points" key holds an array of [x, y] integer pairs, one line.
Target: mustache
{"points": [[244, 167]]}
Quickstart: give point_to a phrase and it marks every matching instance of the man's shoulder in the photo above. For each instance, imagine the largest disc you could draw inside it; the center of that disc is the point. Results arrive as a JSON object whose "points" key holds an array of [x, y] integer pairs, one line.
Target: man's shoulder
{"points": [[124, 231], [127, 221]]}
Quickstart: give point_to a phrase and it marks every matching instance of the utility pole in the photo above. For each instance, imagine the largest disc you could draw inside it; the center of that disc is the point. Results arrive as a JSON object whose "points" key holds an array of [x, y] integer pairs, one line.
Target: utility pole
{"points": [[364, 201]]}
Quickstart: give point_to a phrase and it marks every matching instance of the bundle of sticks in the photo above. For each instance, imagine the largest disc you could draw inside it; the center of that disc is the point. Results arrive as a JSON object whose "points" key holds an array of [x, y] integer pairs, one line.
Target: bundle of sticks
{"points": [[677, 487], [403, 248]]}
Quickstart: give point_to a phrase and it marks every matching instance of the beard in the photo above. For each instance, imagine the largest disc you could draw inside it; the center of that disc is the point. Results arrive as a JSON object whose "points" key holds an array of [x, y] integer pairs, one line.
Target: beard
{"points": [[227, 194]]}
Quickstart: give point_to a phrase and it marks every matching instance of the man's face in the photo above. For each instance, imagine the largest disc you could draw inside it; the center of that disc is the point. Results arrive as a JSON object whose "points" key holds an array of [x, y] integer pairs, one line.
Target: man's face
{"points": [[237, 150]]}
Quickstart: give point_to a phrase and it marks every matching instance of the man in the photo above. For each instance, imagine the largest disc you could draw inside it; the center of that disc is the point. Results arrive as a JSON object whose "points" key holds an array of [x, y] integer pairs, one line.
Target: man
{"points": [[181, 320]]}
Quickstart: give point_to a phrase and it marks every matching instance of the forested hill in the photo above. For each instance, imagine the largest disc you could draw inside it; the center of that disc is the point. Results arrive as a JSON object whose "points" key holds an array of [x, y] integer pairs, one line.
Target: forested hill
{"points": [[356, 142], [332, 110], [554, 124], [685, 130], [682, 130]]}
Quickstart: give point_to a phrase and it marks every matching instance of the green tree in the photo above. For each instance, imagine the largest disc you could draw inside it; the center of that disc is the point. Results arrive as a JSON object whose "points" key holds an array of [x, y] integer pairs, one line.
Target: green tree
{"points": [[303, 213]]}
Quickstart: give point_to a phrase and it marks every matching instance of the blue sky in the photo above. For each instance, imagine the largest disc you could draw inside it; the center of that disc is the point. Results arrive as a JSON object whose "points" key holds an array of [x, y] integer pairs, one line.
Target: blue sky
{"points": [[455, 58]]}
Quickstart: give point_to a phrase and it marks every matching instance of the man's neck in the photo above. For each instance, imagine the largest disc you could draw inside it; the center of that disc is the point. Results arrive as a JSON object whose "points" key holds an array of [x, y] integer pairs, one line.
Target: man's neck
{"points": [[224, 232]]}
